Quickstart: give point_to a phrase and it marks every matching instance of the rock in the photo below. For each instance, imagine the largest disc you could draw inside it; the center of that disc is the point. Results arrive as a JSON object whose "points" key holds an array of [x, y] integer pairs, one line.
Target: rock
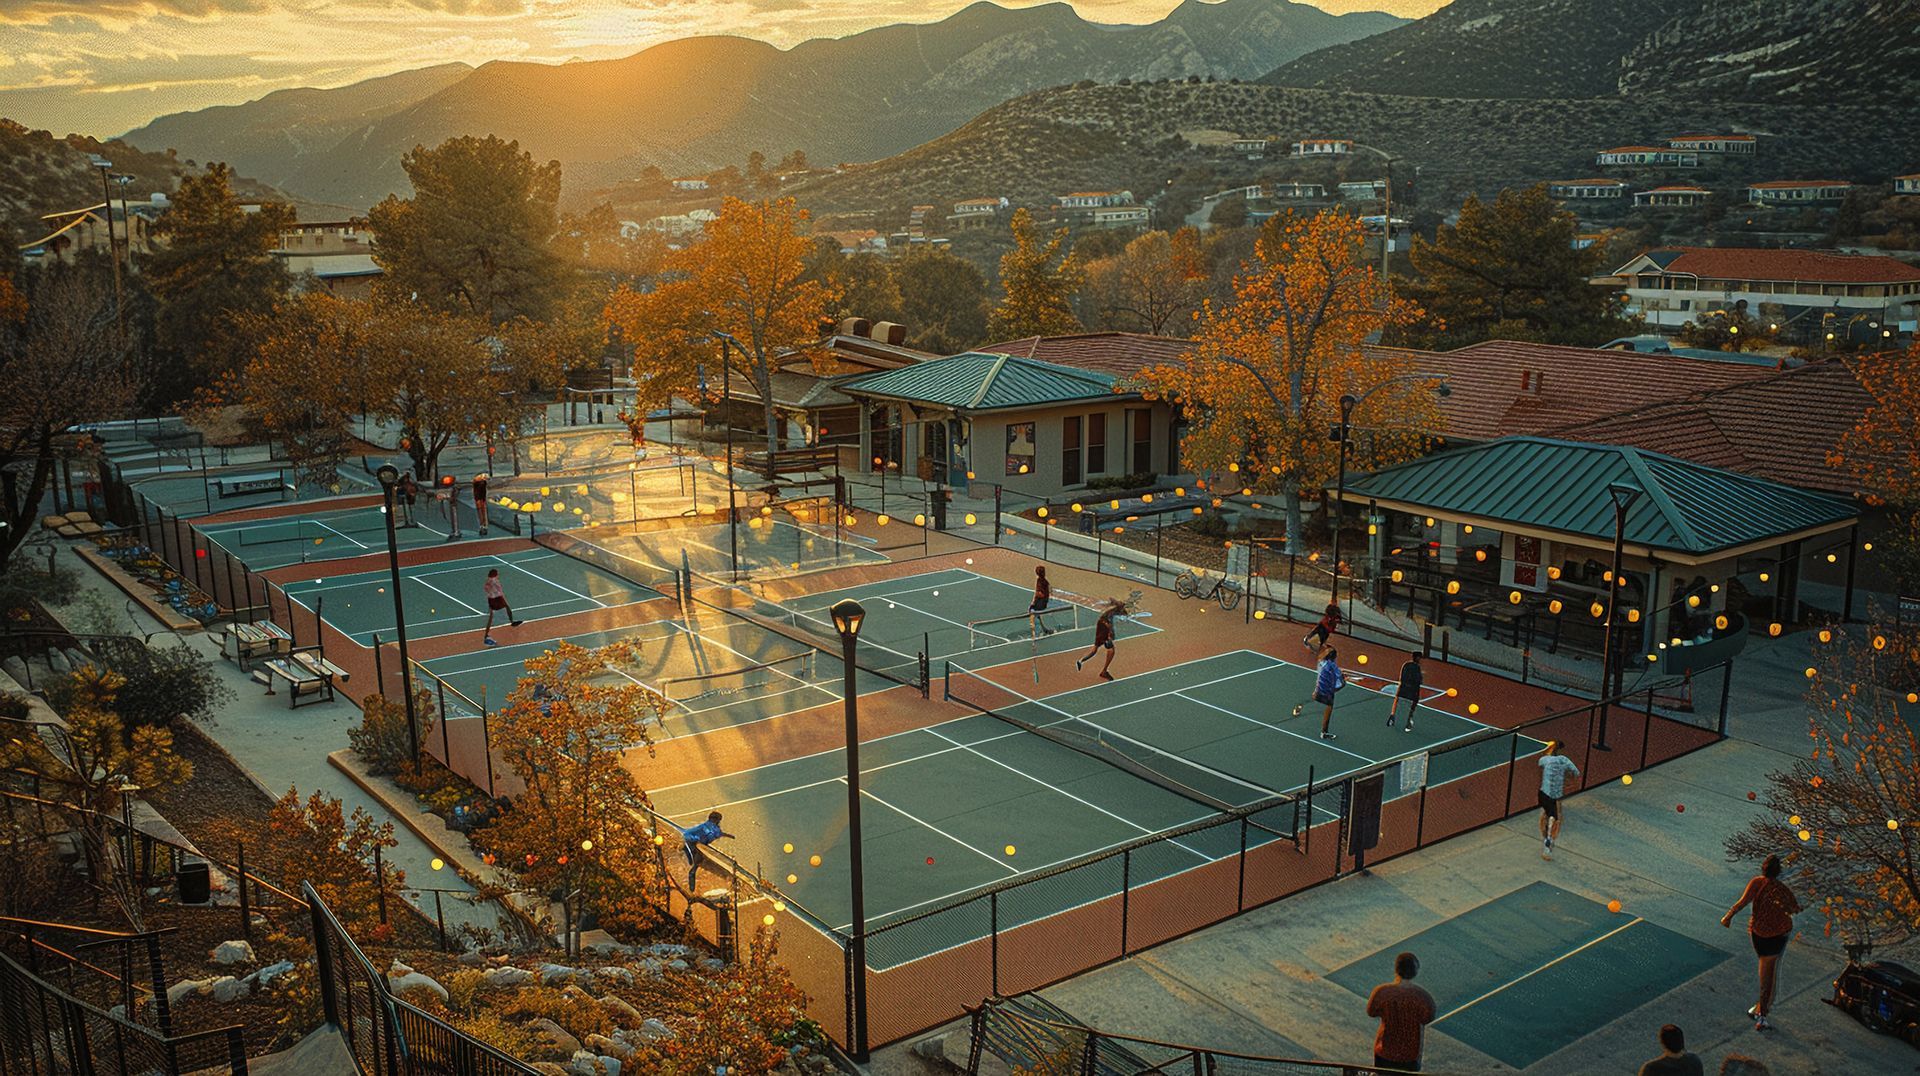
{"points": [[265, 976], [930, 1048], [611, 1066], [678, 965], [413, 980], [652, 1030], [506, 976], [556, 973], [472, 958], [554, 1035], [620, 975], [651, 966], [228, 988], [187, 988], [259, 922], [58, 662], [232, 952], [667, 952], [587, 1063], [15, 668], [397, 968], [608, 948], [622, 1013], [600, 1044], [576, 995], [712, 964]]}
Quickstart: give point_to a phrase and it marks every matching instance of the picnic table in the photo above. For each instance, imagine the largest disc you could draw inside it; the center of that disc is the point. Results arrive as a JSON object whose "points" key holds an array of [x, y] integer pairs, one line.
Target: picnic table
{"points": [[241, 485], [252, 639], [308, 676]]}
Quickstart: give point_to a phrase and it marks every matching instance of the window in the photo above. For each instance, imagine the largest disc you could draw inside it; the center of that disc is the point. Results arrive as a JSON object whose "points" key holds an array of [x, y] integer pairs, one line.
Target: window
{"points": [[1142, 420], [1097, 444], [1070, 450], [1019, 448]]}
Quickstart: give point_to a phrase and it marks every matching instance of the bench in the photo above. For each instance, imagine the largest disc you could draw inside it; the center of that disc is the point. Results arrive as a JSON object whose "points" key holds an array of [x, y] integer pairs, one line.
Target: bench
{"points": [[245, 484], [250, 640], [308, 676]]}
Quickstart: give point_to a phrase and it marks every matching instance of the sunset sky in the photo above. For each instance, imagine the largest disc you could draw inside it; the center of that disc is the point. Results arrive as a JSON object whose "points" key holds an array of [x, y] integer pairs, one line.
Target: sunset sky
{"points": [[102, 67]]}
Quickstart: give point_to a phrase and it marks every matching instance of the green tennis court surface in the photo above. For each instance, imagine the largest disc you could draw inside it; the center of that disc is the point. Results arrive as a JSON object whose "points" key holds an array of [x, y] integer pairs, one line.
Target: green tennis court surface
{"points": [[960, 793], [265, 544], [445, 597], [768, 547], [238, 486], [1526, 974]]}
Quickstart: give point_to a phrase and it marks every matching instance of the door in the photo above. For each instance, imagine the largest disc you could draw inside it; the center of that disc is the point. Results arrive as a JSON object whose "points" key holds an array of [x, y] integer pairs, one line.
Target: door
{"points": [[1070, 450]]}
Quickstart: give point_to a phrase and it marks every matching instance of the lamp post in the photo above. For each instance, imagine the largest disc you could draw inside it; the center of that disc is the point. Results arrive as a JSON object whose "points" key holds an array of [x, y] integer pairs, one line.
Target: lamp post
{"points": [[726, 412], [113, 248], [389, 476], [847, 616], [1622, 495], [1349, 403]]}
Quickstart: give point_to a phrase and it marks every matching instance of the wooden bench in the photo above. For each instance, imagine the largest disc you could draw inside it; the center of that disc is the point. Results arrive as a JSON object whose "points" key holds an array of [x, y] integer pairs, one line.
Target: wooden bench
{"points": [[308, 676], [245, 484], [259, 638]]}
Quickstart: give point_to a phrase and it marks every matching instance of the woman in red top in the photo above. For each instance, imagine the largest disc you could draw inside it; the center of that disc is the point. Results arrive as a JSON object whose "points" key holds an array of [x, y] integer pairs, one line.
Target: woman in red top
{"points": [[1770, 925], [1103, 637]]}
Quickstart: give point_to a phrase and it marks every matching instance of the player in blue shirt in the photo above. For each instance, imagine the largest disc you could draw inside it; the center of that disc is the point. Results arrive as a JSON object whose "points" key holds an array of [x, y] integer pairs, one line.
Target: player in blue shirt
{"points": [[705, 833]]}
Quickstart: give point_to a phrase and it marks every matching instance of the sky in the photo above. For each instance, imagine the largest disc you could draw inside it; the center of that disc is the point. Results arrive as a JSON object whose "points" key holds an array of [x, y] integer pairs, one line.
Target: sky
{"points": [[103, 67]]}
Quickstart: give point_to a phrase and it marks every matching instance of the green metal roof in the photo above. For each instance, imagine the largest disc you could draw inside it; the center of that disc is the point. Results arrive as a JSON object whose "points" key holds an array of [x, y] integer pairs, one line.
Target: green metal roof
{"points": [[1561, 486], [980, 381]]}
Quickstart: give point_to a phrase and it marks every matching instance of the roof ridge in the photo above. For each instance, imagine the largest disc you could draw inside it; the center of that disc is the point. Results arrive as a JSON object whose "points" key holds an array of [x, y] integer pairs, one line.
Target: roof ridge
{"points": [[986, 383], [1640, 464]]}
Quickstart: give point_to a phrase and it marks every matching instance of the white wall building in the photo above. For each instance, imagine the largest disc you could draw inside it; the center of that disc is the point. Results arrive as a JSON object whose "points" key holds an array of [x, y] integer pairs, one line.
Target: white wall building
{"points": [[1587, 188], [1320, 147], [1735, 144], [1647, 157], [1670, 286], [1798, 191]]}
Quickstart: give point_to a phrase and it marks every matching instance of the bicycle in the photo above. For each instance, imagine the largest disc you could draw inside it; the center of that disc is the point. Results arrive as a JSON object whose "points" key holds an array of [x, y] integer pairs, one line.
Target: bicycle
{"points": [[1198, 583]]}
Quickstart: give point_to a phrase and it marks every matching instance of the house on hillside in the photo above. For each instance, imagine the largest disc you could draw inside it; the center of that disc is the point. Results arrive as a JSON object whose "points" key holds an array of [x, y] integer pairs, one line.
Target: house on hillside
{"points": [[1587, 188], [976, 213], [1815, 290], [1673, 194], [1291, 190], [1095, 199], [326, 237], [1733, 144], [1121, 216], [682, 224], [1322, 147], [1252, 149], [690, 183], [66, 233], [1363, 189], [349, 276], [1798, 191], [1647, 157], [1907, 184]]}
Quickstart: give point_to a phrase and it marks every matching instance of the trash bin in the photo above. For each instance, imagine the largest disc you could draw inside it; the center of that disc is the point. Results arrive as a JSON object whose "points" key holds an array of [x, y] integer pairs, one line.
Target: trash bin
{"points": [[195, 883]]}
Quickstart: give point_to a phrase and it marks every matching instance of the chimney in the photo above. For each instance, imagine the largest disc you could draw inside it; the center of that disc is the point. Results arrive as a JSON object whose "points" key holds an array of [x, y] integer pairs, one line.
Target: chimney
{"points": [[1532, 382], [855, 327], [888, 332]]}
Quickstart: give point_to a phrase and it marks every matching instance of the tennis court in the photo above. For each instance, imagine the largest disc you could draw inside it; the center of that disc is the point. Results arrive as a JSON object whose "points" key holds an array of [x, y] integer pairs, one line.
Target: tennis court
{"points": [[445, 597], [1537, 969], [981, 800], [266, 544], [768, 546]]}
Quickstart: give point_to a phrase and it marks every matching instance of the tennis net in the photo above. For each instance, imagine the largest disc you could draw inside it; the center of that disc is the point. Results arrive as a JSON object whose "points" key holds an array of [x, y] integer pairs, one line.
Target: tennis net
{"points": [[1221, 791], [716, 688], [579, 545], [739, 600], [366, 523], [1021, 627]]}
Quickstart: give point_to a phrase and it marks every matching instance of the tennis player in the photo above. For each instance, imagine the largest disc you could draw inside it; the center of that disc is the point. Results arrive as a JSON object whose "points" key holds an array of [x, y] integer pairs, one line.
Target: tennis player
{"points": [[1324, 628], [480, 500], [496, 601], [705, 833], [1327, 682], [1408, 691], [1103, 637], [1554, 768], [1042, 598]]}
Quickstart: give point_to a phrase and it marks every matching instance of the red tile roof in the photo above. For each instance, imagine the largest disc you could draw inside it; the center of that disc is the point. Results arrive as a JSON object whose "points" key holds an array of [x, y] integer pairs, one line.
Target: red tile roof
{"points": [[1814, 266], [1765, 427], [1117, 353], [1639, 149], [1793, 184], [1683, 187]]}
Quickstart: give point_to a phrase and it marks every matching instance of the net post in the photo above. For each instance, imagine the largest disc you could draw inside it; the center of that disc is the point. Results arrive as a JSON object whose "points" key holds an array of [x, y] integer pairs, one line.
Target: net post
{"points": [[946, 682], [1126, 894], [1646, 732], [379, 670], [1306, 847], [1240, 892], [232, 596], [320, 625], [1726, 689], [993, 933], [1513, 763]]}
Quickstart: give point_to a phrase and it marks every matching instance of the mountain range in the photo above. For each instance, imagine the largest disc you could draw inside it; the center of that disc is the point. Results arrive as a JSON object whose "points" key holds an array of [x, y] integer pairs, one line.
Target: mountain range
{"points": [[696, 104]]}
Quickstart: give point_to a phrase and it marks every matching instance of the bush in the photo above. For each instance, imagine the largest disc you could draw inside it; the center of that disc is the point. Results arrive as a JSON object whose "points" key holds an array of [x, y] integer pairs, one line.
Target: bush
{"points": [[167, 684], [1138, 480], [23, 583], [1214, 526], [381, 739]]}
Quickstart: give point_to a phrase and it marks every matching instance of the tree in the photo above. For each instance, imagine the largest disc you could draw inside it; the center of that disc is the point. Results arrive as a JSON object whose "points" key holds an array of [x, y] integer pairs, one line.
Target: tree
{"points": [[476, 237], [317, 842], [863, 282], [1882, 453], [302, 386], [794, 162], [565, 730], [1509, 270], [1729, 329], [943, 301], [213, 275], [748, 278], [595, 241], [1845, 814], [1264, 379], [62, 363], [1038, 280], [1155, 285]]}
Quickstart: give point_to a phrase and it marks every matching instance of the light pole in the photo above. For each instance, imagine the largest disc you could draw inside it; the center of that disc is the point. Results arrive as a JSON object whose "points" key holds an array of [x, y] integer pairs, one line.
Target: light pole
{"points": [[1622, 495], [847, 615], [726, 414], [389, 475], [113, 248], [1349, 403]]}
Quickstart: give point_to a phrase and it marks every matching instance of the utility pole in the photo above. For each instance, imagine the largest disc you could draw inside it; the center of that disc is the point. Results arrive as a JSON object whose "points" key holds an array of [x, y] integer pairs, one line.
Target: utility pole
{"points": [[113, 248]]}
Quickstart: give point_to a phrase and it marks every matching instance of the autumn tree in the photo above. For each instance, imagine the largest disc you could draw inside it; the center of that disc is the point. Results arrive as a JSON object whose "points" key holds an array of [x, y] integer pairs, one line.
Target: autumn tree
{"points": [[598, 242], [1038, 280], [1266, 373], [943, 299], [748, 279], [1155, 285], [863, 283], [1727, 329], [302, 385], [1510, 270], [1846, 818], [62, 363], [317, 841], [1882, 453], [565, 731], [213, 274], [476, 238]]}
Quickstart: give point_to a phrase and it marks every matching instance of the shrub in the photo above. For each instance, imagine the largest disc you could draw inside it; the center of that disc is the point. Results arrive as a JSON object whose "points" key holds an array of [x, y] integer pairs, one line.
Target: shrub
{"points": [[381, 739], [167, 684]]}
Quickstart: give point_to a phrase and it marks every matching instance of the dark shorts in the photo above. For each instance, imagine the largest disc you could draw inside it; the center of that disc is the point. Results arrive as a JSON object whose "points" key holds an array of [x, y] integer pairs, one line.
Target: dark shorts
{"points": [[1098, 643], [1549, 805], [497, 603], [1395, 1066], [1764, 945], [692, 857], [1039, 605], [1322, 631]]}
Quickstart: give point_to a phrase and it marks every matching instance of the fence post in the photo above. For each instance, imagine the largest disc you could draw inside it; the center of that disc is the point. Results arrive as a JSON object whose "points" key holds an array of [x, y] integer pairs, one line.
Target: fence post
{"points": [[162, 1008], [246, 913], [1293, 562], [380, 881], [993, 930], [1726, 690], [1307, 845], [997, 490], [1420, 822], [1240, 893], [1646, 732], [1126, 894], [1089, 1060], [1513, 761], [379, 670]]}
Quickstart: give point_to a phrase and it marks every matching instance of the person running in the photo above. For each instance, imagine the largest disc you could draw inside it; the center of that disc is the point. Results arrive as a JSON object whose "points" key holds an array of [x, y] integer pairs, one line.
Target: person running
{"points": [[705, 833], [1404, 1010], [480, 500], [409, 490], [1769, 925], [1103, 637], [1408, 691], [1674, 1060], [1327, 682], [1042, 599], [496, 602], [1324, 628], [1554, 768]]}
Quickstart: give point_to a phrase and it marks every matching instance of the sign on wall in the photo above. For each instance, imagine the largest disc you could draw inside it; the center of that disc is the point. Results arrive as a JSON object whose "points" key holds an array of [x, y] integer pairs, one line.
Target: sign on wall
{"points": [[1020, 451]]}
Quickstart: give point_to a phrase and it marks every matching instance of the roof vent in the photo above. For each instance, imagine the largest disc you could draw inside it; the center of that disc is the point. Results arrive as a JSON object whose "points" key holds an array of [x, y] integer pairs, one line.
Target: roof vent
{"points": [[888, 332], [855, 327], [1532, 382]]}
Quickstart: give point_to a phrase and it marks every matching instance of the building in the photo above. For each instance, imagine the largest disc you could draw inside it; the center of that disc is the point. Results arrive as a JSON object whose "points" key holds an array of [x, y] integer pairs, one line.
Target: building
{"points": [[1670, 286], [682, 224], [1798, 191], [1095, 199], [1587, 188], [1736, 145], [1647, 157], [349, 276], [66, 233], [1322, 147], [1907, 184], [1252, 149], [1121, 216], [807, 402], [976, 212], [1363, 189], [326, 237], [690, 183], [1290, 191], [1674, 194]]}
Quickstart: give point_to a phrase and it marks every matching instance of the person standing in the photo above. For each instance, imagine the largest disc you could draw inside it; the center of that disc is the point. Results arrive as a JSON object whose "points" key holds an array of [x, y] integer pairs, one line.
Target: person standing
{"points": [[1327, 682], [1042, 599], [450, 497], [496, 602], [692, 838], [409, 490], [1674, 1060], [1769, 925], [1554, 768], [1324, 628], [1103, 637], [1404, 1010], [480, 500], [1408, 691]]}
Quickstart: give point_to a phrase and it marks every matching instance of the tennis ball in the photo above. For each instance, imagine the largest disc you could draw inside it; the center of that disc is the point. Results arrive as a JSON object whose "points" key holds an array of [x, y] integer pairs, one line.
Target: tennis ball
{"points": [[1473, 707], [786, 848], [1626, 778], [814, 862], [1453, 692], [1009, 849], [767, 919], [792, 878], [1363, 659], [1612, 906]]}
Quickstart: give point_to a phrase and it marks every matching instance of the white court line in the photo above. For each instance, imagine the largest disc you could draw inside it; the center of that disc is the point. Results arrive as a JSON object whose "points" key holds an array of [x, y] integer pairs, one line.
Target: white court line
{"points": [[421, 578], [549, 582], [995, 860], [1541, 968], [1296, 735]]}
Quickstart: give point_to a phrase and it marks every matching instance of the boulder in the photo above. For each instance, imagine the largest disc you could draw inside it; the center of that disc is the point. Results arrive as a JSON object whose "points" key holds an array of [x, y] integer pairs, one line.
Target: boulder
{"points": [[413, 980], [653, 1030], [506, 976], [712, 964], [187, 988], [587, 1063], [232, 952], [618, 975], [472, 958], [678, 965], [554, 1035], [600, 1044], [556, 973], [619, 1011], [265, 976], [228, 988], [58, 662], [667, 952]]}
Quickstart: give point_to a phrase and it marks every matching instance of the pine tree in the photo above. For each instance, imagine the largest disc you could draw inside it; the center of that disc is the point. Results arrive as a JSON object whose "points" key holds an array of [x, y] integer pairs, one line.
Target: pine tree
{"points": [[212, 271], [1038, 280]]}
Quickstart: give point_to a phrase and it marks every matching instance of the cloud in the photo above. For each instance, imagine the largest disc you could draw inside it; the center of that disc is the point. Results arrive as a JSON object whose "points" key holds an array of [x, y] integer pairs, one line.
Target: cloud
{"points": [[46, 12]]}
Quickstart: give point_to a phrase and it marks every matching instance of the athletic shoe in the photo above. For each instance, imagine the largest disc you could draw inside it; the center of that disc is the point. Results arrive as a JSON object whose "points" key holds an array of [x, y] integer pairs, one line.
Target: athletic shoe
{"points": [[1549, 844], [1104, 675], [1389, 720], [516, 623], [1753, 1012], [1761, 1023], [1547, 854], [483, 532], [1297, 709], [1409, 726], [1078, 664], [489, 640], [1326, 735]]}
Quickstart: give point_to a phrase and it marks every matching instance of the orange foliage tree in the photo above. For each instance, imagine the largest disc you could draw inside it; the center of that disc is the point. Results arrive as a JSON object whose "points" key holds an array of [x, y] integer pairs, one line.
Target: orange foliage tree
{"points": [[1882, 451], [1263, 382], [747, 278], [1846, 819], [301, 386]]}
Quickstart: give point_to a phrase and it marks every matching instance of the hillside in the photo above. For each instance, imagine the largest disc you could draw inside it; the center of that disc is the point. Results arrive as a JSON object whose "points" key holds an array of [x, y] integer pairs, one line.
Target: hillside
{"points": [[1783, 50], [699, 103], [1495, 48], [42, 174], [1057, 140]]}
